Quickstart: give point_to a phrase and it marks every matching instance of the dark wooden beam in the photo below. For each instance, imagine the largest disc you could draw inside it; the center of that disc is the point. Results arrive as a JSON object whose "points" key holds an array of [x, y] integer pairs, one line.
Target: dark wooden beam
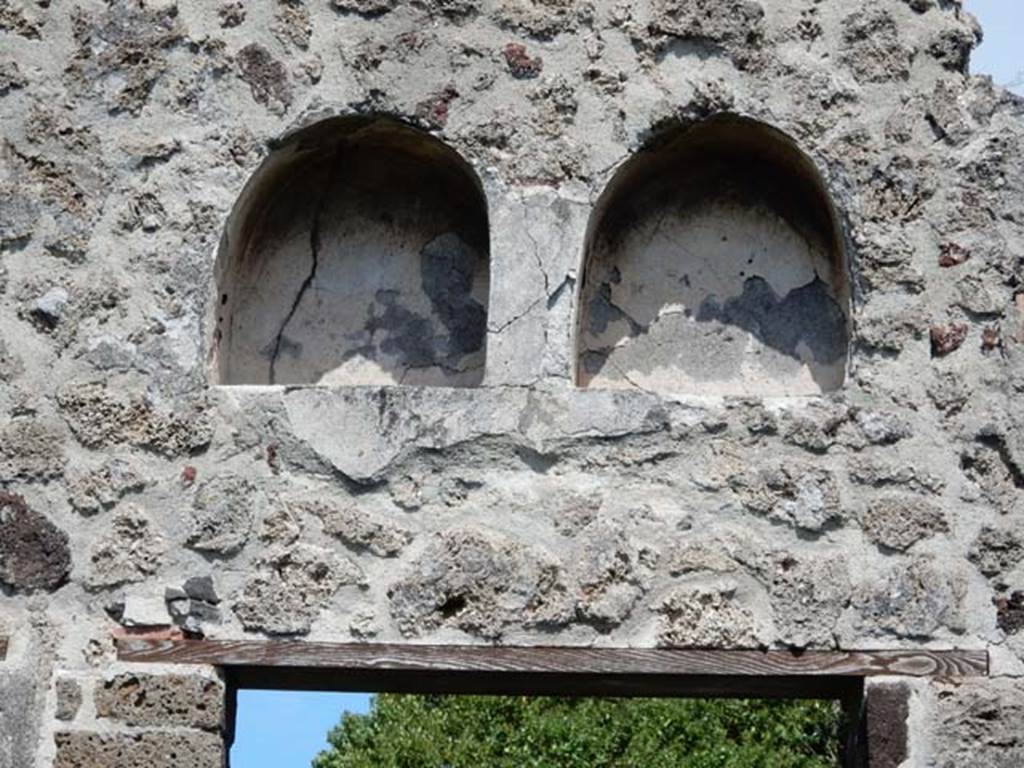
{"points": [[573, 662], [543, 683]]}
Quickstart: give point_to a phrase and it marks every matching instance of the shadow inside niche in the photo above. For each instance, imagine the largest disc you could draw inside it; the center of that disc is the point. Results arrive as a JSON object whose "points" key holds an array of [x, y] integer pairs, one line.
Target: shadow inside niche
{"points": [[366, 262], [714, 296]]}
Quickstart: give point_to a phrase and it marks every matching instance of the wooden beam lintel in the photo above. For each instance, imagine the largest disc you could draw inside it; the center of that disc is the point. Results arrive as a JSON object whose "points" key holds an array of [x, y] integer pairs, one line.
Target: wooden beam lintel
{"points": [[397, 659]]}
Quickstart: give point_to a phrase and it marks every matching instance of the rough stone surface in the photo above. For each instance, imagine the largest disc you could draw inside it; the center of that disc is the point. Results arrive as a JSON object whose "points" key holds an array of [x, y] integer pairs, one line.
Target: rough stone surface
{"points": [[805, 497], [93, 490], [290, 587], [357, 529], [523, 391], [129, 552], [152, 749], [888, 708], [101, 418], [915, 599], [979, 724], [477, 582], [997, 551], [707, 616], [69, 699], [808, 595], [30, 449], [34, 553], [222, 515], [162, 701], [899, 523]]}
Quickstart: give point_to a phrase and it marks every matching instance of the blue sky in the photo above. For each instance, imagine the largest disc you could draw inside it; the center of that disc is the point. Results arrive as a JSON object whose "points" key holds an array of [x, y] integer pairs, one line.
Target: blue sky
{"points": [[286, 729], [1000, 54]]}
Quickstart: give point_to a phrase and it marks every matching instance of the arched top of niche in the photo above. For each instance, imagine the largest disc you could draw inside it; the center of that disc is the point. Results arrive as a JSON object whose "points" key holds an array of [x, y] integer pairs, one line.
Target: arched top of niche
{"points": [[714, 265], [358, 253]]}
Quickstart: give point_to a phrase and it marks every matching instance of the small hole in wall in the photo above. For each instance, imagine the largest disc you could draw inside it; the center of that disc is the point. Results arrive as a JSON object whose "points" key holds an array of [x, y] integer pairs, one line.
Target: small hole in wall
{"points": [[357, 254], [714, 265], [452, 606]]}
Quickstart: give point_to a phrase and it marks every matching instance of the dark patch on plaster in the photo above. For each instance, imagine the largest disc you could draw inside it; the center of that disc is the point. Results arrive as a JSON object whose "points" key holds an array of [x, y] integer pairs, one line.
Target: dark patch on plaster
{"points": [[807, 316], [603, 311], [447, 266], [1010, 613], [407, 336]]}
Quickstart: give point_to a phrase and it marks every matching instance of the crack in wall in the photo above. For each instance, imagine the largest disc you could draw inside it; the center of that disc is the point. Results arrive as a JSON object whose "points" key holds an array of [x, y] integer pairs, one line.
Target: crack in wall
{"points": [[314, 250]]}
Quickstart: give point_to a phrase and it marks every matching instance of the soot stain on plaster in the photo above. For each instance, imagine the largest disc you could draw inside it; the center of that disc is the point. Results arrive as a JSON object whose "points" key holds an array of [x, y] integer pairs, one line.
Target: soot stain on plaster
{"points": [[447, 265], [603, 311], [807, 316], [447, 268]]}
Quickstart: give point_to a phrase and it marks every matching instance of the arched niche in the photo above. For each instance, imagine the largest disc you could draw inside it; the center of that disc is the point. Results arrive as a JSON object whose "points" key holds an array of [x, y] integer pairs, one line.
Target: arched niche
{"points": [[357, 254], [714, 266]]}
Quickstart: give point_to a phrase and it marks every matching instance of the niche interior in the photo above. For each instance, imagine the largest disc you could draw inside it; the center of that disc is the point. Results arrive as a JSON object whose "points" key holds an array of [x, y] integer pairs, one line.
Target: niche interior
{"points": [[357, 254], [714, 265]]}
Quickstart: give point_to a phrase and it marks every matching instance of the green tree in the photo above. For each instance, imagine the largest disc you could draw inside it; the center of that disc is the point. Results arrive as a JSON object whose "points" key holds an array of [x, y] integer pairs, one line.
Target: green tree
{"points": [[406, 731]]}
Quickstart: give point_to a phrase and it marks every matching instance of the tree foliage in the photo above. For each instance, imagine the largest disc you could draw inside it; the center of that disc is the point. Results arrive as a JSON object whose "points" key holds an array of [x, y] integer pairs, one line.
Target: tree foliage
{"points": [[407, 731]]}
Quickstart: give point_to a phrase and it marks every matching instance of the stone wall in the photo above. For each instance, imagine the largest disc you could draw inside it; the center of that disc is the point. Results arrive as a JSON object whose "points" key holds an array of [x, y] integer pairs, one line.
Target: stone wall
{"points": [[138, 493]]}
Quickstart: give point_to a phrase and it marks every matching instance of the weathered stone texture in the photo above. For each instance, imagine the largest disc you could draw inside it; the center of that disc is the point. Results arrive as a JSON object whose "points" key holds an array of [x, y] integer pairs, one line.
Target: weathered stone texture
{"points": [[93, 490], [151, 749], [359, 530], [69, 699], [804, 497], [707, 616], [915, 599], [480, 583], [899, 523], [162, 701], [979, 724], [30, 449], [291, 586], [222, 515], [34, 553], [101, 418], [129, 552]]}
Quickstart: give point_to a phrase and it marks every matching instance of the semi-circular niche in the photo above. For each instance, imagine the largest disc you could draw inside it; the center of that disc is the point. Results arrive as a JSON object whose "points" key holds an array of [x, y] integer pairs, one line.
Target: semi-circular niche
{"points": [[357, 254], [714, 265]]}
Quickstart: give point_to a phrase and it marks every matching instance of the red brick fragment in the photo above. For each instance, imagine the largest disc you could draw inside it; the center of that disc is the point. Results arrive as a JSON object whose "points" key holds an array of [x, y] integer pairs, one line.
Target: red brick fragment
{"points": [[520, 63], [434, 109], [947, 338], [952, 254], [188, 475], [990, 338]]}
